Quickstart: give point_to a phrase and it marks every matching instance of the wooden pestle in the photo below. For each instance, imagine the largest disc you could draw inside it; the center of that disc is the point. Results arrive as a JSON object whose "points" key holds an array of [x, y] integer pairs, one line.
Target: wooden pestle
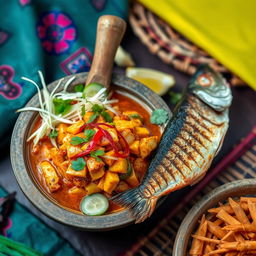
{"points": [[110, 31]]}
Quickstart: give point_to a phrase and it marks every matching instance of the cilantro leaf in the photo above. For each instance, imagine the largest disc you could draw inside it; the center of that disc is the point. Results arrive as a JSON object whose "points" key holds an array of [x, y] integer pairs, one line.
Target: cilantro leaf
{"points": [[89, 134], [61, 106], [97, 153], [135, 116], [78, 164], [53, 134], [77, 140], [97, 108], [93, 117], [106, 116], [79, 88], [175, 97], [159, 116]]}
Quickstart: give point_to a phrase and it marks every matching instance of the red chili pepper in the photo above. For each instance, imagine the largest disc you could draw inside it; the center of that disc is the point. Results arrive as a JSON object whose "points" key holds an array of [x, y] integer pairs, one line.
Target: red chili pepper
{"points": [[111, 141], [108, 136], [93, 143]]}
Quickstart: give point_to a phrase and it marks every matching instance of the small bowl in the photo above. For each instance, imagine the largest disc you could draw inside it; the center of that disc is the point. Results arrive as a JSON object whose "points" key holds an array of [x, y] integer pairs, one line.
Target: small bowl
{"points": [[23, 171], [220, 194]]}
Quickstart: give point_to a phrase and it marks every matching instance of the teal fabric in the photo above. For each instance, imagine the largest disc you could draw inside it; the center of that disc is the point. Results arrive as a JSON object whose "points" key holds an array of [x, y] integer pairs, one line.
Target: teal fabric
{"points": [[24, 227], [56, 37]]}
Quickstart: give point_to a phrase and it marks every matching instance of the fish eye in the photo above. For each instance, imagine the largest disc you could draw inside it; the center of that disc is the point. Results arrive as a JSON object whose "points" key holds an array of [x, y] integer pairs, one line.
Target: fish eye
{"points": [[205, 80]]}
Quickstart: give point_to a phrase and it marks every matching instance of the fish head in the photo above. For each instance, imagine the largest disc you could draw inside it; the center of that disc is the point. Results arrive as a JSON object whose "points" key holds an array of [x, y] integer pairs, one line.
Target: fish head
{"points": [[211, 87]]}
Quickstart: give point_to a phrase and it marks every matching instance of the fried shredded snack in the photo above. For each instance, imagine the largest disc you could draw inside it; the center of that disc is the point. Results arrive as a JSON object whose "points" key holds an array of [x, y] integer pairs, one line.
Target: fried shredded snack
{"points": [[228, 230]]}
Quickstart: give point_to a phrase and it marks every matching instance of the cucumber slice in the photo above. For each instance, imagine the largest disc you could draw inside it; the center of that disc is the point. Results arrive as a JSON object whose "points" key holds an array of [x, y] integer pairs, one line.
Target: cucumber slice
{"points": [[94, 205], [91, 89], [126, 175]]}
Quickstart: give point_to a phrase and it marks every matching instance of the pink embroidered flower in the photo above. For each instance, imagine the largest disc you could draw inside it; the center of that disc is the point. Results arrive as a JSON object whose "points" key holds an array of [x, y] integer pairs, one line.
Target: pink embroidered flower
{"points": [[57, 32], [24, 2]]}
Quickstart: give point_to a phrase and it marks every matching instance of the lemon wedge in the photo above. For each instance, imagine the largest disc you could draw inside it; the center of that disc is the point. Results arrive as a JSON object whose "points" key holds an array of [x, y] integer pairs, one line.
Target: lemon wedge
{"points": [[157, 81]]}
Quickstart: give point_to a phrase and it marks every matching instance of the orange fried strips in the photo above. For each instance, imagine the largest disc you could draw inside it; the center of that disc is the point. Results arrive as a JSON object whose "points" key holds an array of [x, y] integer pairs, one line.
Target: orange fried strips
{"points": [[228, 230]]}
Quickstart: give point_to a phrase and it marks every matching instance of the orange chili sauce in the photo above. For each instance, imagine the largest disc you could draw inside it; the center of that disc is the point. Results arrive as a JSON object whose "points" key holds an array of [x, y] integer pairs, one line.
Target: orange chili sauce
{"points": [[62, 197]]}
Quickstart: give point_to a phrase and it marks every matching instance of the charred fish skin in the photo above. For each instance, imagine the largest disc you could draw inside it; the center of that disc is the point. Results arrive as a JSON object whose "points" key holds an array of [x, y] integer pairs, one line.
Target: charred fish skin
{"points": [[187, 148], [192, 138]]}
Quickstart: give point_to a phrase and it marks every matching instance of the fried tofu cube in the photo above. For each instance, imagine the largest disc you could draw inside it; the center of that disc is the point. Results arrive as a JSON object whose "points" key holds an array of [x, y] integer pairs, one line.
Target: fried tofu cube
{"points": [[72, 172], [63, 168], [62, 132], [140, 165], [128, 135], [93, 164], [75, 128], [73, 150], [136, 122], [76, 191], [111, 181], [79, 182], [135, 147], [56, 156], [97, 174], [121, 187], [112, 132], [92, 188], [87, 116], [109, 161], [123, 124], [50, 175], [147, 145], [119, 166], [101, 183], [85, 146], [133, 180], [141, 132], [132, 114]]}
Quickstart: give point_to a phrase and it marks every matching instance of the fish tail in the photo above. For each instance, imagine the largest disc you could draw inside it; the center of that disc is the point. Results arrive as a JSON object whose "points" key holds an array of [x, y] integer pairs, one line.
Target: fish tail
{"points": [[142, 207]]}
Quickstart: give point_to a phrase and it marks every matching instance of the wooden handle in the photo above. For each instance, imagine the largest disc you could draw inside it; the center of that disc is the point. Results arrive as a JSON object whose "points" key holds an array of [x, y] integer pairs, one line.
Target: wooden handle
{"points": [[110, 31]]}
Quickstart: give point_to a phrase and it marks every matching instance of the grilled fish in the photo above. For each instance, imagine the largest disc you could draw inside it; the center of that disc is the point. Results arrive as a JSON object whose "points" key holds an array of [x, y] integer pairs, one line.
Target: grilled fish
{"points": [[192, 138]]}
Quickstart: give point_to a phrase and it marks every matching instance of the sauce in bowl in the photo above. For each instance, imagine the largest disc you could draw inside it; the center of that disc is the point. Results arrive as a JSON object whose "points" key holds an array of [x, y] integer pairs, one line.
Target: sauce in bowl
{"points": [[67, 188]]}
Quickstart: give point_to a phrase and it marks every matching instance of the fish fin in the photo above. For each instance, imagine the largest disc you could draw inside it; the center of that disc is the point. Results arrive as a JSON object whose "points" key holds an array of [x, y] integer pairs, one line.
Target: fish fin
{"points": [[142, 207]]}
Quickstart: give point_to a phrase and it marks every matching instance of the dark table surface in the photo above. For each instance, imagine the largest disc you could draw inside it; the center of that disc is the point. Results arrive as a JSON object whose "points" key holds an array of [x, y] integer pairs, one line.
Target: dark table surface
{"points": [[242, 119]]}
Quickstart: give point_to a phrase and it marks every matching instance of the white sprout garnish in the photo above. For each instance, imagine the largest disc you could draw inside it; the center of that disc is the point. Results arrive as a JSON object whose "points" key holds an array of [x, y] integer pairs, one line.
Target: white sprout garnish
{"points": [[47, 109]]}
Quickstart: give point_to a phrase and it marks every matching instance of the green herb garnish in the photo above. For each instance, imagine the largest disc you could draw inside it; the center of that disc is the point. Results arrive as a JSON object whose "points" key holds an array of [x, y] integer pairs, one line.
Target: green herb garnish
{"points": [[78, 164], [93, 117], [53, 134], [77, 140], [106, 116], [97, 108], [97, 153], [175, 97], [89, 134], [135, 116], [61, 106], [159, 116], [79, 88]]}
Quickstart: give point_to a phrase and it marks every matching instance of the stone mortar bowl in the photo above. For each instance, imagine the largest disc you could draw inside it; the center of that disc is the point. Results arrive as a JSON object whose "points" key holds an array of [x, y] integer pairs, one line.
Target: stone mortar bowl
{"points": [[22, 167], [220, 194]]}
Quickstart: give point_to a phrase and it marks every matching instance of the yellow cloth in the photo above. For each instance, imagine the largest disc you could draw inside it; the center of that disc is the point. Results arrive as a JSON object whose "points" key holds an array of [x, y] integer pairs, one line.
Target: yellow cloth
{"points": [[226, 29]]}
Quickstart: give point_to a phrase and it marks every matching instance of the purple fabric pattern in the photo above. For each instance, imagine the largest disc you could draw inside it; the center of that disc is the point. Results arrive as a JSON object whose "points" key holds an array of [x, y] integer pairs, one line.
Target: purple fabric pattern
{"points": [[3, 36], [80, 61], [57, 32], [8, 88], [99, 5]]}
